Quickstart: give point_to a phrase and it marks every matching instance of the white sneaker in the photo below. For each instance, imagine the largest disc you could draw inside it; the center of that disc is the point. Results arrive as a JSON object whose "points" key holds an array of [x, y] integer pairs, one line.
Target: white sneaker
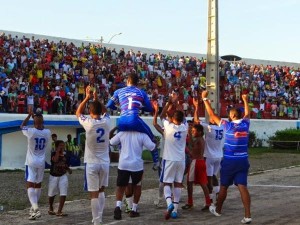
{"points": [[212, 209], [246, 220], [35, 214]]}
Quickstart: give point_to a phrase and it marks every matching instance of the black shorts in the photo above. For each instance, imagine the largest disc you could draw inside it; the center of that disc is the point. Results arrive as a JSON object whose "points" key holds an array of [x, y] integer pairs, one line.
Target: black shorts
{"points": [[124, 175]]}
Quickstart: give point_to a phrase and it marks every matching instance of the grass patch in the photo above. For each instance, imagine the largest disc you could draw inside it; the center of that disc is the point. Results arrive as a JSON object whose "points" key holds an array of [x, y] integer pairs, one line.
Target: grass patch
{"points": [[263, 150]]}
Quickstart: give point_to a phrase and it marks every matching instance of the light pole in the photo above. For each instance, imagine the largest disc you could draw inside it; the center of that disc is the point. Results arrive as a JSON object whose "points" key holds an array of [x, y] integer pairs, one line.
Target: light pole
{"points": [[113, 37]]}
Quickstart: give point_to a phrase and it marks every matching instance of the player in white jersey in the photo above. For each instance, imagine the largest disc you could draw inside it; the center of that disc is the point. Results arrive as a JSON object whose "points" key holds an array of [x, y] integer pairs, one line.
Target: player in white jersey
{"points": [[38, 139], [96, 155], [173, 166], [131, 165], [213, 152]]}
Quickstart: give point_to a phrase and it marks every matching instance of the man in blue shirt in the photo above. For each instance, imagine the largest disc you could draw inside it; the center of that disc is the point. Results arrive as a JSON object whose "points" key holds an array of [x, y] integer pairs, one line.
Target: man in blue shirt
{"points": [[235, 164]]}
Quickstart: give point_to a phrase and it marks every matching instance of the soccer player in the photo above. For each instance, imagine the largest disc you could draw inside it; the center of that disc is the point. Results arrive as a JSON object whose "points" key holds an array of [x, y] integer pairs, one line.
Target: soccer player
{"points": [[58, 179], [131, 165], [131, 100], [96, 155], [235, 164], [213, 152], [173, 166], [38, 139]]}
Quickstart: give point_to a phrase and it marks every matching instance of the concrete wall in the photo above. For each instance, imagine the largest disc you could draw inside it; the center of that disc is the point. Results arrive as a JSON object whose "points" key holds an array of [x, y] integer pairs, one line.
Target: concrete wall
{"points": [[14, 144]]}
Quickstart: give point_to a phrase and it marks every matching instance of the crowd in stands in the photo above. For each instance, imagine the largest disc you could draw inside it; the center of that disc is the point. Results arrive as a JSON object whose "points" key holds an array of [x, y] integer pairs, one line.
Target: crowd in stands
{"points": [[52, 76]]}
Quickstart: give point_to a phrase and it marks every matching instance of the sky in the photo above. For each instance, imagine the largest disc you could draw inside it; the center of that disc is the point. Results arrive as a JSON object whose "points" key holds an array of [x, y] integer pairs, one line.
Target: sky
{"points": [[259, 29]]}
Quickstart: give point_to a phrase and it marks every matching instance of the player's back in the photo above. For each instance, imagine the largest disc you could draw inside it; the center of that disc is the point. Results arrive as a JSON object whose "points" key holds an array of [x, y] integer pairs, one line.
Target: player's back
{"points": [[97, 139], [38, 141], [131, 100], [175, 141], [214, 140]]}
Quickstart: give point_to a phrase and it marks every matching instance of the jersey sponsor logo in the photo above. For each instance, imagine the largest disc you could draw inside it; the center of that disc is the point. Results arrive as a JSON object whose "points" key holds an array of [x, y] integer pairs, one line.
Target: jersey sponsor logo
{"points": [[241, 134]]}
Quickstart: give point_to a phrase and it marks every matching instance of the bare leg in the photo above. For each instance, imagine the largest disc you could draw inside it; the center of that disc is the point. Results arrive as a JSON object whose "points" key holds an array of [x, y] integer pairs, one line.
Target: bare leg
{"points": [[245, 199], [51, 201], [62, 200], [221, 198]]}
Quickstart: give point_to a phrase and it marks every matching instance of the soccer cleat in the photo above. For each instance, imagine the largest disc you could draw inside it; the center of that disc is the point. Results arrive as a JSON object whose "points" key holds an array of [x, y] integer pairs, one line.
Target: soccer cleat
{"points": [[187, 206], [246, 220], [212, 209], [134, 214], [174, 215], [169, 210], [35, 214], [117, 213]]}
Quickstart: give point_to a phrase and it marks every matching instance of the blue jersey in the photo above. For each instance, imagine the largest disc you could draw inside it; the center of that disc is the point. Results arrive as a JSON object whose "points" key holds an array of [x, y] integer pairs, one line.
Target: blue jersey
{"points": [[236, 138], [131, 100]]}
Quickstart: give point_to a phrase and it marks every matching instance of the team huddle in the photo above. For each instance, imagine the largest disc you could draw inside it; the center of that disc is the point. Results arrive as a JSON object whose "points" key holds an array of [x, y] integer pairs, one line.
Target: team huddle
{"points": [[185, 151]]}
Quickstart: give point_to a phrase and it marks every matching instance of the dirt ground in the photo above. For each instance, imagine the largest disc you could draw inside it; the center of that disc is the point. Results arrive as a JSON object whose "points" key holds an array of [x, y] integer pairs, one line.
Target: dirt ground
{"points": [[13, 195]]}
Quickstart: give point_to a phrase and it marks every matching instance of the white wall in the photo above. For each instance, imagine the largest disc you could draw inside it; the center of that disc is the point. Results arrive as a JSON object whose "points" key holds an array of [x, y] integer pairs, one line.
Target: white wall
{"points": [[14, 145]]}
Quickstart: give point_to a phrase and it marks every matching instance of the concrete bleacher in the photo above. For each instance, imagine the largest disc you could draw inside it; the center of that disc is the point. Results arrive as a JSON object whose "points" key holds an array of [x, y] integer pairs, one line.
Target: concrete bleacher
{"points": [[78, 42]]}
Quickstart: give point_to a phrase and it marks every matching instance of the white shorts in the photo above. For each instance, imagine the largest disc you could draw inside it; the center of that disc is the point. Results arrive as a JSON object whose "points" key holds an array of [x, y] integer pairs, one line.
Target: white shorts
{"points": [[58, 185], [96, 176], [34, 174], [213, 166], [172, 171]]}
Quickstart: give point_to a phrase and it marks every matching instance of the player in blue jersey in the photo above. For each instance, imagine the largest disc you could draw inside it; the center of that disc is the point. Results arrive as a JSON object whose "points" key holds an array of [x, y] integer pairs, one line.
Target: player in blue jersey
{"points": [[235, 164], [131, 100]]}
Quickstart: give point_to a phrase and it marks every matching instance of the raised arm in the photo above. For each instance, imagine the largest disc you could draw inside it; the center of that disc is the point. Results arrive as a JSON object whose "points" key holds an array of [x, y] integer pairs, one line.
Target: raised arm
{"points": [[246, 106], [155, 124], [196, 105], [81, 107], [208, 108], [25, 121]]}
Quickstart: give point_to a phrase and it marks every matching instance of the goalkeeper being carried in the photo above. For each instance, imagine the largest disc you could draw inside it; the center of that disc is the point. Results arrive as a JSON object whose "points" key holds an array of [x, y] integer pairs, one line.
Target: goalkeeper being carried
{"points": [[131, 100]]}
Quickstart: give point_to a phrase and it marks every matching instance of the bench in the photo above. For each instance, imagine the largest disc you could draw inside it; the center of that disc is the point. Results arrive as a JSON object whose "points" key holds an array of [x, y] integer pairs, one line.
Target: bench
{"points": [[285, 144]]}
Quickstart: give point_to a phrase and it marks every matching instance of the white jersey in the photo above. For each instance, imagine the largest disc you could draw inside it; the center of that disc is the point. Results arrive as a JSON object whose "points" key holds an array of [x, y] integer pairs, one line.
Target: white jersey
{"points": [[132, 145], [97, 139], [214, 140], [175, 141], [38, 142]]}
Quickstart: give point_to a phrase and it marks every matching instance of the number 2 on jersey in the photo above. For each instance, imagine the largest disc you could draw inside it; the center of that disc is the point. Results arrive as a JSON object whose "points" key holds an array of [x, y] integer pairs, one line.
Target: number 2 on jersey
{"points": [[101, 132]]}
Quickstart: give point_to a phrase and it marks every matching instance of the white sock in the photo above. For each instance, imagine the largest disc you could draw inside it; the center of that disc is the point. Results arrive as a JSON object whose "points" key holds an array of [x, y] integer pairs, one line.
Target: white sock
{"points": [[168, 193], [95, 210], [119, 204], [101, 199], [177, 194], [134, 207], [32, 198], [216, 189], [38, 192]]}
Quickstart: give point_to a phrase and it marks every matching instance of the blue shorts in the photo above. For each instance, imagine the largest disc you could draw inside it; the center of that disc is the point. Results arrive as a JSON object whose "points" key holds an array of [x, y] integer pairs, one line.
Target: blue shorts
{"points": [[234, 171], [134, 123]]}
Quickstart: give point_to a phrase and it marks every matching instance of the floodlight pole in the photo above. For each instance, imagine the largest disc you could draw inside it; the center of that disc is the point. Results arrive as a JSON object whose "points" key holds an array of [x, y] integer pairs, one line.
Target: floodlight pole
{"points": [[113, 37], [212, 59]]}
